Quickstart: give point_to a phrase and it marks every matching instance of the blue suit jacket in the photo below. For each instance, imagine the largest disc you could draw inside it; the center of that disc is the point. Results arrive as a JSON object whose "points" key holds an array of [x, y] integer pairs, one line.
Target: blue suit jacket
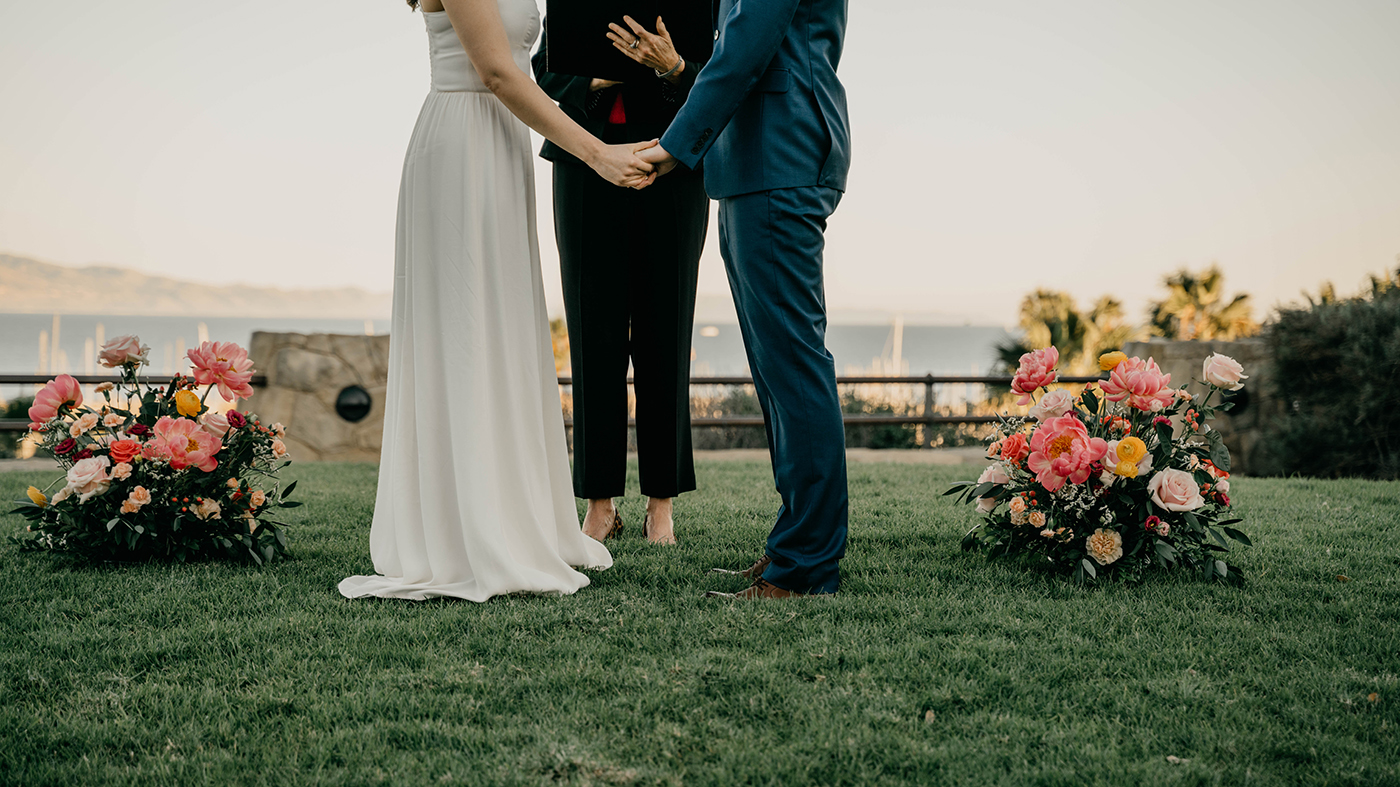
{"points": [[767, 112]]}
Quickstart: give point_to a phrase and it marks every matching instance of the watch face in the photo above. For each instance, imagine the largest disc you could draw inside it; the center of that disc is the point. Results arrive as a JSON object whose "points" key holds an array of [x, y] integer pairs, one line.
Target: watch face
{"points": [[579, 46]]}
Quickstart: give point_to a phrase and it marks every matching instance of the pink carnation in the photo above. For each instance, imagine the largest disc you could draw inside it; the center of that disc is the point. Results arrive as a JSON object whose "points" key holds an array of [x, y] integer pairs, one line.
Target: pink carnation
{"points": [[1036, 371], [226, 365], [185, 444], [1062, 450], [1141, 383], [61, 390]]}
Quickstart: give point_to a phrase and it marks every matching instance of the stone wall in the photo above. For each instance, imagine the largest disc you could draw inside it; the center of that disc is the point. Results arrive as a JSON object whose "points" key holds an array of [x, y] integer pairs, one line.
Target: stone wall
{"points": [[1243, 427], [306, 373]]}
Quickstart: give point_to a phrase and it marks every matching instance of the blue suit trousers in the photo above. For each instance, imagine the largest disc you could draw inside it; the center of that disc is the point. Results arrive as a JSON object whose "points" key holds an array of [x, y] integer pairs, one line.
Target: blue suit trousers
{"points": [[772, 243]]}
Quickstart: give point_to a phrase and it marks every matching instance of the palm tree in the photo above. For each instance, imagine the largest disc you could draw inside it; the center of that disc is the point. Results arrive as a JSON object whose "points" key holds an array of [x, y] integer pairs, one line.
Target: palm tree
{"points": [[1052, 318], [1195, 308]]}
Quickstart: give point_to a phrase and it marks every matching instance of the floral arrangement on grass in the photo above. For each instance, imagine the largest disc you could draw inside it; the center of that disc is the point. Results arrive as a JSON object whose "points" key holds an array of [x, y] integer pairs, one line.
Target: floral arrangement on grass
{"points": [[1101, 484], [152, 472]]}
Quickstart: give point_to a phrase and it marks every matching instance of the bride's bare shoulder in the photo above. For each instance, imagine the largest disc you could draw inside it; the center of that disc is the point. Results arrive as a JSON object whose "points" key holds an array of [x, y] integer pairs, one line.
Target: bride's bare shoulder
{"points": [[431, 6]]}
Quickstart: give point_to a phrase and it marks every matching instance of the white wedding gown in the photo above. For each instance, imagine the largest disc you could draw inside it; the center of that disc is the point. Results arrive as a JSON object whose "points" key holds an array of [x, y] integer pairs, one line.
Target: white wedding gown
{"points": [[475, 498]]}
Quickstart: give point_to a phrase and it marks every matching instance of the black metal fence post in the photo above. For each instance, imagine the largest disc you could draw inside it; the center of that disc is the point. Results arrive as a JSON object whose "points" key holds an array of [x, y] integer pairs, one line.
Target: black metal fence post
{"points": [[928, 411]]}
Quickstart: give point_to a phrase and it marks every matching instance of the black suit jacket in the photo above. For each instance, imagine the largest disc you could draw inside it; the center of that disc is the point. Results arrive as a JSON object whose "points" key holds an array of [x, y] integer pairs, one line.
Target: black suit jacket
{"points": [[650, 104]]}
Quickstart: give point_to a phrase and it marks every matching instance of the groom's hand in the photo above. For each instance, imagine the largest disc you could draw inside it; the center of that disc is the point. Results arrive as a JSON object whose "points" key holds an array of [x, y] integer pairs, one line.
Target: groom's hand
{"points": [[659, 158]]}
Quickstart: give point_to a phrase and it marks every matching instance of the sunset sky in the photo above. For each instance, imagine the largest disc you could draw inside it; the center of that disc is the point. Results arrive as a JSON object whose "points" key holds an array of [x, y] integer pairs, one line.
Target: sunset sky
{"points": [[1091, 146]]}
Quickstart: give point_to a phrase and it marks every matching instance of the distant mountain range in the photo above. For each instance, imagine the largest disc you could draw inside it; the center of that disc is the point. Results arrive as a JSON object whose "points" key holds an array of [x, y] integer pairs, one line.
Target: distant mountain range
{"points": [[33, 287]]}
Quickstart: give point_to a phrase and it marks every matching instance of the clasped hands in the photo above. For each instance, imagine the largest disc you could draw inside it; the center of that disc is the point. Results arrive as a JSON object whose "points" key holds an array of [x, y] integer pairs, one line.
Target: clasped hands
{"points": [[644, 162]]}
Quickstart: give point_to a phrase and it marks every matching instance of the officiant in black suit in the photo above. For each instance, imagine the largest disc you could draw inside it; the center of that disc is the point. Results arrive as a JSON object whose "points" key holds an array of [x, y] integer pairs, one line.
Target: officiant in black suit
{"points": [[629, 260]]}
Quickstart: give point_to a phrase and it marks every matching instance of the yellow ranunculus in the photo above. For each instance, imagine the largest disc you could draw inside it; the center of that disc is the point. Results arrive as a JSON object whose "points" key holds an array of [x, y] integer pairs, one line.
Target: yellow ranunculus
{"points": [[1131, 449], [37, 496], [187, 403], [1108, 361], [1126, 469]]}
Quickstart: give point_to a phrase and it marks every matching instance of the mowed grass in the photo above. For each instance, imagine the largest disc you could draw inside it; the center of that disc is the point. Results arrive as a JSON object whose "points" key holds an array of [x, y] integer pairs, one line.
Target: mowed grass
{"points": [[932, 666]]}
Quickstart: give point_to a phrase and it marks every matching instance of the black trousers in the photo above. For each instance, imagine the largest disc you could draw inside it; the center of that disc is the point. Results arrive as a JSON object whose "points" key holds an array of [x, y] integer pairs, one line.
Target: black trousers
{"points": [[629, 261]]}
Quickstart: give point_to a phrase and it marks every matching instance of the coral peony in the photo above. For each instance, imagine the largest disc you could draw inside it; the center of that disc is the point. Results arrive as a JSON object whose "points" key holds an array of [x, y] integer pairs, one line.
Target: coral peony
{"points": [[1062, 450], [185, 444], [1175, 490], [1222, 371], [1105, 546], [1036, 370], [1142, 383], [224, 364], [122, 351], [61, 391]]}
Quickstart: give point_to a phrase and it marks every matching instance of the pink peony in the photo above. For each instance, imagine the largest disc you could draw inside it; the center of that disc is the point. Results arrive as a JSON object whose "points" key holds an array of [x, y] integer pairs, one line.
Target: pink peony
{"points": [[997, 475], [1175, 490], [1141, 383], [123, 350], [1036, 371], [1062, 450], [185, 444], [224, 364], [61, 390], [1053, 405]]}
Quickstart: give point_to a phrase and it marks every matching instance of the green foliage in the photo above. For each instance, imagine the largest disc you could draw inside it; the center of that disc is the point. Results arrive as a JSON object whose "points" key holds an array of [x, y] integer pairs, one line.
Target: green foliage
{"points": [[1196, 309], [1337, 372], [1050, 318], [15, 408], [929, 667]]}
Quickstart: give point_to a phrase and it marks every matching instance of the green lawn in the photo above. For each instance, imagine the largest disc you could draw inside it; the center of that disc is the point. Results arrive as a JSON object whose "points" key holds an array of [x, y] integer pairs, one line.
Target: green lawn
{"points": [[931, 667]]}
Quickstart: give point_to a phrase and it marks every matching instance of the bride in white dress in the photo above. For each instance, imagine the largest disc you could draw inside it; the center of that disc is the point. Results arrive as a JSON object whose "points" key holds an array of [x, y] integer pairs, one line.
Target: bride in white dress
{"points": [[475, 498]]}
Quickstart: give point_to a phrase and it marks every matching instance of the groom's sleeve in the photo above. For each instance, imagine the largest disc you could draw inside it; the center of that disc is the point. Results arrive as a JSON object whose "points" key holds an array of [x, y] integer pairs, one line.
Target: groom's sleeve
{"points": [[748, 40]]}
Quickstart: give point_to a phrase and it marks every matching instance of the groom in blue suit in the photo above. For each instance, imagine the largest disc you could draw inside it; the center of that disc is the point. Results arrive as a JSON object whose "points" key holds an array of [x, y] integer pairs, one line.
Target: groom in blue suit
{"points": [[768, 117]]}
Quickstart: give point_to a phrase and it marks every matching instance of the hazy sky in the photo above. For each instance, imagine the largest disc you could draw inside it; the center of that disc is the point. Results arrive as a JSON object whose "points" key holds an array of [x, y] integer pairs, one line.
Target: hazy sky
{"points": [[1002, 145]]}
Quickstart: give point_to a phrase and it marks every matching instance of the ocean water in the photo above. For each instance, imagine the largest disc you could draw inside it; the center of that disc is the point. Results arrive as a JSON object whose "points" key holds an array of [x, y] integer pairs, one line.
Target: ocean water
{"points": [[718, 347]]}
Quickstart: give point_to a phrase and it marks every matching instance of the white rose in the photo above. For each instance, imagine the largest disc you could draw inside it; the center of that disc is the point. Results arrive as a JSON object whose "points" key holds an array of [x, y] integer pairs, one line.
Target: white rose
{"points": [[89, 478], [996, 475], [1053, 405], [1223, 371], [1175, 490], [1223, 486]]}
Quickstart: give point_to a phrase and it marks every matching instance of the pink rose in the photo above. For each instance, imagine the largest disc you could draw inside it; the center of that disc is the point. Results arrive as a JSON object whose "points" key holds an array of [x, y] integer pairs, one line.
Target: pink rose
{"points": [[89, 477], [257, 498], [1142, 383], [1175, 490], [224, 364], [279, 449], [1224, 372], [84, 424], [1053, 405], [185, 444], [215, 424], [1062, 450], [123, 350], [1036, 370], [121, 472], [61, 390], [996, 475]]}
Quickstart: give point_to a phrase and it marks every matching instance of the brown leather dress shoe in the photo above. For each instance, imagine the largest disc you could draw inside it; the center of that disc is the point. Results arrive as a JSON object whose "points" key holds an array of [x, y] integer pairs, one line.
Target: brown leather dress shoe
{"points": [[761, 588], [751, 573]]}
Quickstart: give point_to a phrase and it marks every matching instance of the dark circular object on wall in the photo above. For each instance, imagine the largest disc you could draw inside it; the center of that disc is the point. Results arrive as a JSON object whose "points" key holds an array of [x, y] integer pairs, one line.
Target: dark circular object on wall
{"points": [[353, 403]]}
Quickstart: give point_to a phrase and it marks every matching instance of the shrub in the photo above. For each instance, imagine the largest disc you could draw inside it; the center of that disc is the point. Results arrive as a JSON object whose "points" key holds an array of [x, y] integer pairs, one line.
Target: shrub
{"points": [[9, 441], [1338, 375]]}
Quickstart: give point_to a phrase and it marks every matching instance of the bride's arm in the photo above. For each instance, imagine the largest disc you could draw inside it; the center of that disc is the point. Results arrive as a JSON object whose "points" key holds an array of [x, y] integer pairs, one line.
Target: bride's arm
{"points": [[483, 35]]}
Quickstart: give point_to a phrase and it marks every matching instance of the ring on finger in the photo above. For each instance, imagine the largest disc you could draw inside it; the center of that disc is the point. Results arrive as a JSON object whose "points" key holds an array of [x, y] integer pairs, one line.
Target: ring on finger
{"points": [[635, 42]]}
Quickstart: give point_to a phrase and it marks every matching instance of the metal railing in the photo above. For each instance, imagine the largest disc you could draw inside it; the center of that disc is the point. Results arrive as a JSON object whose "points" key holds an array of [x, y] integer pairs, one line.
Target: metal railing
{"points": [[928, 418]]}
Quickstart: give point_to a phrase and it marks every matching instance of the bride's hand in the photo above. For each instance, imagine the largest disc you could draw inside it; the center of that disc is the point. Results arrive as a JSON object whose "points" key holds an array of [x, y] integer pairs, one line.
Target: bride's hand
{"points": [[620, 166]]}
